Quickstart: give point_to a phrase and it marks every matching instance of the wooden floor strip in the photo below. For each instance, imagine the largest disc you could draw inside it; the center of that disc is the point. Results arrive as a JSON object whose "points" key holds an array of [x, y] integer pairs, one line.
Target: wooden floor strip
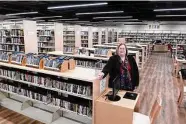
{"points": [[157, 77]]}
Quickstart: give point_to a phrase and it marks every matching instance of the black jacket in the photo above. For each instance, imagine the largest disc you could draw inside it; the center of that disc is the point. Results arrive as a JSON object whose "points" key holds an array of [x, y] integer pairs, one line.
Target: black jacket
{"points": [[113, 69]]}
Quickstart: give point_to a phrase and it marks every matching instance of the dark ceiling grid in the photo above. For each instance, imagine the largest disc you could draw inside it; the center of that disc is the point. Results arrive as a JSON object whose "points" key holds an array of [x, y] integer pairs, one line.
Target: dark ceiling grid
{"points": [[142, 10]]}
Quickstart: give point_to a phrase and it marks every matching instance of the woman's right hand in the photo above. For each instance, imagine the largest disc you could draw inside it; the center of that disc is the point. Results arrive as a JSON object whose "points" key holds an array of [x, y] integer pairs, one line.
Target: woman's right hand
{"points": [[100, 76]]}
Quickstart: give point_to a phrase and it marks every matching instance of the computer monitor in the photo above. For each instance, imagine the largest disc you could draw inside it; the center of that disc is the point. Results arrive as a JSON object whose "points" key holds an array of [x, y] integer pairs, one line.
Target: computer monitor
{"points": [[116, 87]]}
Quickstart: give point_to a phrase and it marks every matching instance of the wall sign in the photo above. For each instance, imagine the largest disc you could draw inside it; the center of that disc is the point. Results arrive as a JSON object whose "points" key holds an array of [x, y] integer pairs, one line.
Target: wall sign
{"points": [[154, 25]]}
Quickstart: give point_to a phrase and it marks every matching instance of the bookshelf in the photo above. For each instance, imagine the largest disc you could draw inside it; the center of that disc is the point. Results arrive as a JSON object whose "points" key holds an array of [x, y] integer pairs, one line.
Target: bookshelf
{"points": [[84, 38], [103, 37], [13, 37], [68, 39], [95, 38], [149, 36], [71, 38], [110, 36], [115, 36], [140, 49], [19, 36], [54, 95], [46, 37], [85, 61]]}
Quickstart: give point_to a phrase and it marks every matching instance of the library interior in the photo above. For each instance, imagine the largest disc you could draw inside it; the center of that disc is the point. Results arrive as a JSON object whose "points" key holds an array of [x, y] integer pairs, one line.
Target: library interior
{"points": [[92, 62]]}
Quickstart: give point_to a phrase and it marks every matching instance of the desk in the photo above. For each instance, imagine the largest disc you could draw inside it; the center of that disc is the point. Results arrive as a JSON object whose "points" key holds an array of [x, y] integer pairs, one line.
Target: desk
{"points": [[160, 48], [109, 112]]}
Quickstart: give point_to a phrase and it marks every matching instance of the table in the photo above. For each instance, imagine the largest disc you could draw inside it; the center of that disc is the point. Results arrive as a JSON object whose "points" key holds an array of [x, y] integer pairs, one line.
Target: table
{"points": [[160, 48]]}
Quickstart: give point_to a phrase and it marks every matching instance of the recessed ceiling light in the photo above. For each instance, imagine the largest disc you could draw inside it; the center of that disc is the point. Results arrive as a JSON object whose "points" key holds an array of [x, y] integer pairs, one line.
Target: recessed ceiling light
{"points": [[78, 5], [45, 17], [23, 13], [91, 13], [171, 9], [112, 17], [170, 15]]}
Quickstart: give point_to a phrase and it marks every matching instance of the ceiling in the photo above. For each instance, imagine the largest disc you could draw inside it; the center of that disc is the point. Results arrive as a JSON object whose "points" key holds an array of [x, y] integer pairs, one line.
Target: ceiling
{"points": [[141, 10]]}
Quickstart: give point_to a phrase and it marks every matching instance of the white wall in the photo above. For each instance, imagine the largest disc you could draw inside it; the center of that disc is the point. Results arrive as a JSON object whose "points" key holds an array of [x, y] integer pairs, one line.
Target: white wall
{"points": [[174, 26]]}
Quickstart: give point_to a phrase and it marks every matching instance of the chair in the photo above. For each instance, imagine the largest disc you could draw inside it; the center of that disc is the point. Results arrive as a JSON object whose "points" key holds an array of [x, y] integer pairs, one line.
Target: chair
{"points": [[139, 118], [175, 64], [182, 90]]}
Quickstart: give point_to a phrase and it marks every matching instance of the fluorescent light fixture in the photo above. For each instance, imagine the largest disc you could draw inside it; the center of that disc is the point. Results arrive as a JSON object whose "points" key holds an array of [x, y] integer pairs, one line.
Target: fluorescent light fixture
{"points": [[173, 9], [24, 13], [16, 19], [64, 19], [45, 17], [115, 17], [92, 13], [122, 20], [170, 15], [78, 5]]}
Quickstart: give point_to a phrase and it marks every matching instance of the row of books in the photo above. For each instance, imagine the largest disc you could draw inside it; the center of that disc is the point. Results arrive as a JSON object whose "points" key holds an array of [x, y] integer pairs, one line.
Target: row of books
{"points": [[45, 39], [14, 40], [45, 33], [85, 33], [84, 45], [47, 82], [32, 59], [23, 92], [48, 99], [90, 64], [17, 57], [84, 37], [68, 38], [68, 49], [13, 32], [4, 57], [69, 32], [13, 48], [17, 32], [49, 45], [55, 62], [101, 51]]}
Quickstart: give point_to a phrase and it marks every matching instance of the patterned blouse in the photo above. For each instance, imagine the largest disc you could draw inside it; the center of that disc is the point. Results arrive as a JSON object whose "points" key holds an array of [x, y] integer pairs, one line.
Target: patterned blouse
{"points": [[125, 76]]}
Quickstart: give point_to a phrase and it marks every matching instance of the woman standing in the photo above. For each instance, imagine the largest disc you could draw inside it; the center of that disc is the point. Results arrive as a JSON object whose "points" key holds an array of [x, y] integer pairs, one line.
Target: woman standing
{"points": [[122, 65]]}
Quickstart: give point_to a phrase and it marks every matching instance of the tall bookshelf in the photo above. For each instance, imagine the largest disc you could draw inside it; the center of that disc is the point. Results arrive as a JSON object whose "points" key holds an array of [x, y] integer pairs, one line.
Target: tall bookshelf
{"points": [[103, 36], [19, 36], [110, 35], [84, 38], [95, 38], [68, 39], [46, 38], [115, 36]]}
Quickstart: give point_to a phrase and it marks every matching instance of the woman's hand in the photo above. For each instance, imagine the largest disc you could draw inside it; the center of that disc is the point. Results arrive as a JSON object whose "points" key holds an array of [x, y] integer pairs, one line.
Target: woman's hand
{"points": [[100, 76]]}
